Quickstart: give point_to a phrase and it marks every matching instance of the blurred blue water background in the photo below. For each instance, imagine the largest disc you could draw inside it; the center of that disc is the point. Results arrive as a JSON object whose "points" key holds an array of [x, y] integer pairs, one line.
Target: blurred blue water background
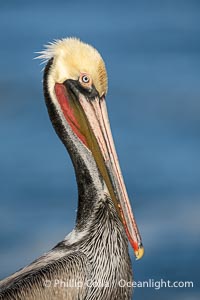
{"points": [[152, 53]]}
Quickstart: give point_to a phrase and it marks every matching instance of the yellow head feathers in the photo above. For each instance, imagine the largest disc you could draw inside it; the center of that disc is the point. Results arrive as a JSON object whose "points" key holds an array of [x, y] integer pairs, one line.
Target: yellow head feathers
{"points": [[71, 57]]}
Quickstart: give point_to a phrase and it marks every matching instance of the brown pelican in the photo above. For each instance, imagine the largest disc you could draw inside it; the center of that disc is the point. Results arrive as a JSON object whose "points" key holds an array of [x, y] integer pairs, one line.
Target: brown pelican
{"points": [[92, 262]]}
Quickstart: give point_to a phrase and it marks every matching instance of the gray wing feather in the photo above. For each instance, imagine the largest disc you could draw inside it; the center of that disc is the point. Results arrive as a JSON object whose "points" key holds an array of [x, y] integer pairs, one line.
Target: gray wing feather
{"points": [[58, 279]]}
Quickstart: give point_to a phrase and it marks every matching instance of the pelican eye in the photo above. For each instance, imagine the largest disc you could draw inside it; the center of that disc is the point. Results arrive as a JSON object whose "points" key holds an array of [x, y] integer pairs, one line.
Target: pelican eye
{"points": [[85, 80]]}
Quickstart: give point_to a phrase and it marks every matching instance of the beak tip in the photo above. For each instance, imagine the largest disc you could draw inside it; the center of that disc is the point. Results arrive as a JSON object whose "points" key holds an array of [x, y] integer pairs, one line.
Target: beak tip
{"points": [[140, 252]]}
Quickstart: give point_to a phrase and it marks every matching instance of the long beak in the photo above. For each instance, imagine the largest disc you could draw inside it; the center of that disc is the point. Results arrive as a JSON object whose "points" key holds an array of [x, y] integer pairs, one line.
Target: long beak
{"points": [[89, 120]]}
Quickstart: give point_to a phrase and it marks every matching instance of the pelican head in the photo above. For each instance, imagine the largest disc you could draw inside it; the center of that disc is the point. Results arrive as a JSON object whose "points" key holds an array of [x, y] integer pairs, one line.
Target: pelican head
{"points": [[75, 86]]}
